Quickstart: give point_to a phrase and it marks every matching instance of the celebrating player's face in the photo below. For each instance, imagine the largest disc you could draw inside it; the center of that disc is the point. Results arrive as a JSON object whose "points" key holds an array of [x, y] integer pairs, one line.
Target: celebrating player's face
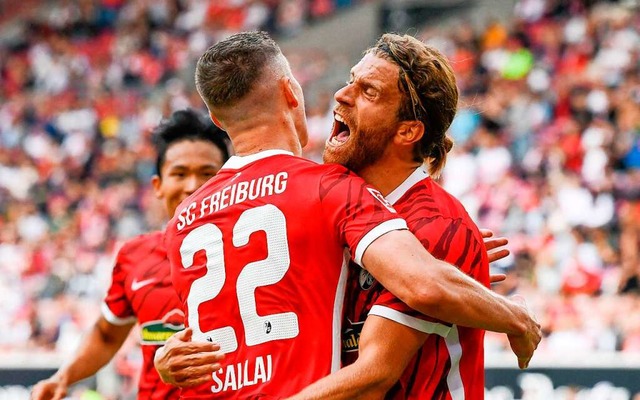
{"points": [[188, 165], [366, 114]]}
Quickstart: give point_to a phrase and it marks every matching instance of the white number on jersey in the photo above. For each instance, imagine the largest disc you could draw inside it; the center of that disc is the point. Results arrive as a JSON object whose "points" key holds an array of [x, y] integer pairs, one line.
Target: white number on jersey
{"points": [[208, 237]]}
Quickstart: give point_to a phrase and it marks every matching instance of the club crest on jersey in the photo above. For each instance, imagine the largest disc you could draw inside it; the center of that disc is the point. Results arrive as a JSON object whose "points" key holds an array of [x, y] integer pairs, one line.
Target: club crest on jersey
{"points": [[381, 199], [157, 332], [351, 336], [366, 280]]}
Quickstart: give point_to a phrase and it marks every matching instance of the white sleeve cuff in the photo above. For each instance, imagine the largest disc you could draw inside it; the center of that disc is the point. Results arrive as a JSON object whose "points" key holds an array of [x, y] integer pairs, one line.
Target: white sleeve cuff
{"points": [[412, 322], [373, 234], [114, 319]]}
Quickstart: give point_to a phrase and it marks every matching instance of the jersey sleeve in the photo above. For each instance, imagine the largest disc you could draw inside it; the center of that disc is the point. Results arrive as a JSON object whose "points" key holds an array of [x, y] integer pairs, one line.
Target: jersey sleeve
{"points": [[116, 307], [390, 307], [358, 212], [447, 239]]}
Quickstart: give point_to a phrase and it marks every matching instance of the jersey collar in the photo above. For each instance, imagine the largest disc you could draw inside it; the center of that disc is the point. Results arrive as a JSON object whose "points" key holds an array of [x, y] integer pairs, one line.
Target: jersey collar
{"points": [[416, 176], [237, 162]]}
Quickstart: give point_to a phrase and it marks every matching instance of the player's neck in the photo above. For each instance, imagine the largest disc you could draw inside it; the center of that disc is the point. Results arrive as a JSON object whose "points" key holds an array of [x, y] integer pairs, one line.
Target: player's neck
{"points": [[272, 134], [388, 173]]}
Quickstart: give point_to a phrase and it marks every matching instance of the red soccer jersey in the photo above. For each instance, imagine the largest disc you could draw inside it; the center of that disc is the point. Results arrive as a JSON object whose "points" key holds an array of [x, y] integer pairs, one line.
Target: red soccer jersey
{"points": [[141, 290], [258, 260], [450, 365]]}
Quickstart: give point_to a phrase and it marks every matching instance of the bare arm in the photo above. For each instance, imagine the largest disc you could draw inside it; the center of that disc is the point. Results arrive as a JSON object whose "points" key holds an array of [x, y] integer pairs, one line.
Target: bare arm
{"points": [[98, 347], [386, 348], [398, 260]]}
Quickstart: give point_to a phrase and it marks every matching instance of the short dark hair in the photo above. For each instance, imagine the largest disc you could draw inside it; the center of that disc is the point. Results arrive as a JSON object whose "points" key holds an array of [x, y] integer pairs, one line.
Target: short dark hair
{"points": [[229, 69], [183, 125], [430, 93]]}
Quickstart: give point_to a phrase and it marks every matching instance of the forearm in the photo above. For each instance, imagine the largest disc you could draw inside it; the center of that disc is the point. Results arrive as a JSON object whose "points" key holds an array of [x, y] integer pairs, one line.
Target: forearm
{"points": [[438, 289], [386, 348], [465, 302], [351, 382], [97, 348]]}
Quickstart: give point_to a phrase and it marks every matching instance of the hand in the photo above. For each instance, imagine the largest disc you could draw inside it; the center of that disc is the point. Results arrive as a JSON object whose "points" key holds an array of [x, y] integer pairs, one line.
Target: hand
{"points": [[54, 388], [491, 243], [495, 278], [183, 363], [524, 345]]}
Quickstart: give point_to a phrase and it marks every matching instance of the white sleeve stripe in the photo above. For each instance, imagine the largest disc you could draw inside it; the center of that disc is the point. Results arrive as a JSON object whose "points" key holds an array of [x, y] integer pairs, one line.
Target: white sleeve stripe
{"points": [[373, 234], [114, 319], [412, 322]]}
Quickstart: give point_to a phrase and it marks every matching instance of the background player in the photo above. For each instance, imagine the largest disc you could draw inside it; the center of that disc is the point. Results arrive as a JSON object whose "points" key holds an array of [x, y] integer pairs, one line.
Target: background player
{"points": [[279, 284], [412, 88], [190, 150]]}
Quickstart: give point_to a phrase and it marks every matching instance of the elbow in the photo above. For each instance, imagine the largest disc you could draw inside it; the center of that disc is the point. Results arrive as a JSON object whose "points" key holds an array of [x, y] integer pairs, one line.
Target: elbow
{"points": [[428, 299]]}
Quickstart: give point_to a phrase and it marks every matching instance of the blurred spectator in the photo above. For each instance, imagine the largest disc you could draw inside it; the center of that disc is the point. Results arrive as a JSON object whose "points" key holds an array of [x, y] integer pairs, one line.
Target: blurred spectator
{"points": [[547, 150], [81, 87]]}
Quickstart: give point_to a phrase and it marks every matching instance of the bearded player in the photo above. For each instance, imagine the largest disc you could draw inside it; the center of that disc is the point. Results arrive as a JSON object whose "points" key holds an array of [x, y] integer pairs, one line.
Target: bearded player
{"points": [[390, 119], [189, 152], [257, 254]]}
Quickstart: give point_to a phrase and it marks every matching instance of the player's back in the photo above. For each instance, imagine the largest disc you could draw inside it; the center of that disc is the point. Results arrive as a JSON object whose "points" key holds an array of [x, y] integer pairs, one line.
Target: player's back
{"points": [[258, 259], [450, 365]]}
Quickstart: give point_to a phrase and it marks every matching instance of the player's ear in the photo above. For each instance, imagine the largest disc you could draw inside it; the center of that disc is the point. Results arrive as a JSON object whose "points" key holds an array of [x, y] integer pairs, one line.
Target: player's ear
{"points": [[156, 182], [215, 120], [289, 92], [409, 132]]}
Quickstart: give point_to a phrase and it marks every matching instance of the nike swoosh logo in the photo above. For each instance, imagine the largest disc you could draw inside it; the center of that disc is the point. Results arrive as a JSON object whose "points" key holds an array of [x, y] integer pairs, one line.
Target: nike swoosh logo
{"points": [[136, 285]]}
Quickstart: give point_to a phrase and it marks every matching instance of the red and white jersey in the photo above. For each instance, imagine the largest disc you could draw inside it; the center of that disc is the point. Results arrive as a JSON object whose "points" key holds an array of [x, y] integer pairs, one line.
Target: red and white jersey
{"points": [[258, 258], [141, 290], [450, 365]]}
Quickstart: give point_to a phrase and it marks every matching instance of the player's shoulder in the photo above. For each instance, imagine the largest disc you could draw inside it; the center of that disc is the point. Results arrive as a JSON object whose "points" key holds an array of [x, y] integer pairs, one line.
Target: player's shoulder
{"points": [[427, 199], [442, 196], [144, 241]]}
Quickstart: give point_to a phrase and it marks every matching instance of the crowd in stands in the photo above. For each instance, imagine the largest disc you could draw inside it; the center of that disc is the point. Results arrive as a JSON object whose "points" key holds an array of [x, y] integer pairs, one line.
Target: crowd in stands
{"points": [[547, 150]]}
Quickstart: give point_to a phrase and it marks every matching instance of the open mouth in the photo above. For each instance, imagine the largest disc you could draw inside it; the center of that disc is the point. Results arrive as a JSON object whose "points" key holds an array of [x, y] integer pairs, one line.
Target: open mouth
{"points": [[340, 132]]}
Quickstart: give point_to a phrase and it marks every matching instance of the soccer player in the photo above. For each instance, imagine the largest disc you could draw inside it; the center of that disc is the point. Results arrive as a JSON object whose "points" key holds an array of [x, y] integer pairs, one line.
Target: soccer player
{"points": [[258, 253], [411, 89], [190, 150]]}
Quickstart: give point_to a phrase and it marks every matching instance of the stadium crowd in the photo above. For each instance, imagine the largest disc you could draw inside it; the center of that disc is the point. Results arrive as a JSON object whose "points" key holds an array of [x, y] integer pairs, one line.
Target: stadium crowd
{"points": [[547, 151]]}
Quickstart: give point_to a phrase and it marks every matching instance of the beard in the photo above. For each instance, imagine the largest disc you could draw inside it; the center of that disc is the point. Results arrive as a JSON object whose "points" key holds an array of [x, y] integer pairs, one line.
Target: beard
{"points": [[361, 150]]}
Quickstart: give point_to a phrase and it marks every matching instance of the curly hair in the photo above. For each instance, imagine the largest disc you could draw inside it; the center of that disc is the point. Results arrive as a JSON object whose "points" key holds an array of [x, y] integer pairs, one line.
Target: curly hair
{"points": [[430, 93], [187, 124]]}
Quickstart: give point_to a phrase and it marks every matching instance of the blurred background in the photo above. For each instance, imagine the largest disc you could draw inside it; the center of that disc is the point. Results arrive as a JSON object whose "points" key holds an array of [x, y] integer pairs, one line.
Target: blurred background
{"points": [[547, 153]]}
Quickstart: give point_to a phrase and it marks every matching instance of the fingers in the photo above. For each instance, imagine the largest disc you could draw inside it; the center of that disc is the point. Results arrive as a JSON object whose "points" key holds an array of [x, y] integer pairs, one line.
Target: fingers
{"points": [[59, 394], [498, 255], [193, 370], [192, 348], [493, 243], [185, 335], [48, 390], [497, 278], [486, 233], [195, 375], [185, 363]]}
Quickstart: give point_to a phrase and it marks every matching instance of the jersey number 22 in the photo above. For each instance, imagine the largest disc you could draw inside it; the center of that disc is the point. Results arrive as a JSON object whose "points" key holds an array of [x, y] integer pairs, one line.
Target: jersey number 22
{"points": [[208, 237]]}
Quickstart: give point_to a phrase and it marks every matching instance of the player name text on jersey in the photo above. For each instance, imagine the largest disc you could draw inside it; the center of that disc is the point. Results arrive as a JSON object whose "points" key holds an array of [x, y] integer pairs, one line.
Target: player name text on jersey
{"points": [[239, 375], [233, 194]]}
